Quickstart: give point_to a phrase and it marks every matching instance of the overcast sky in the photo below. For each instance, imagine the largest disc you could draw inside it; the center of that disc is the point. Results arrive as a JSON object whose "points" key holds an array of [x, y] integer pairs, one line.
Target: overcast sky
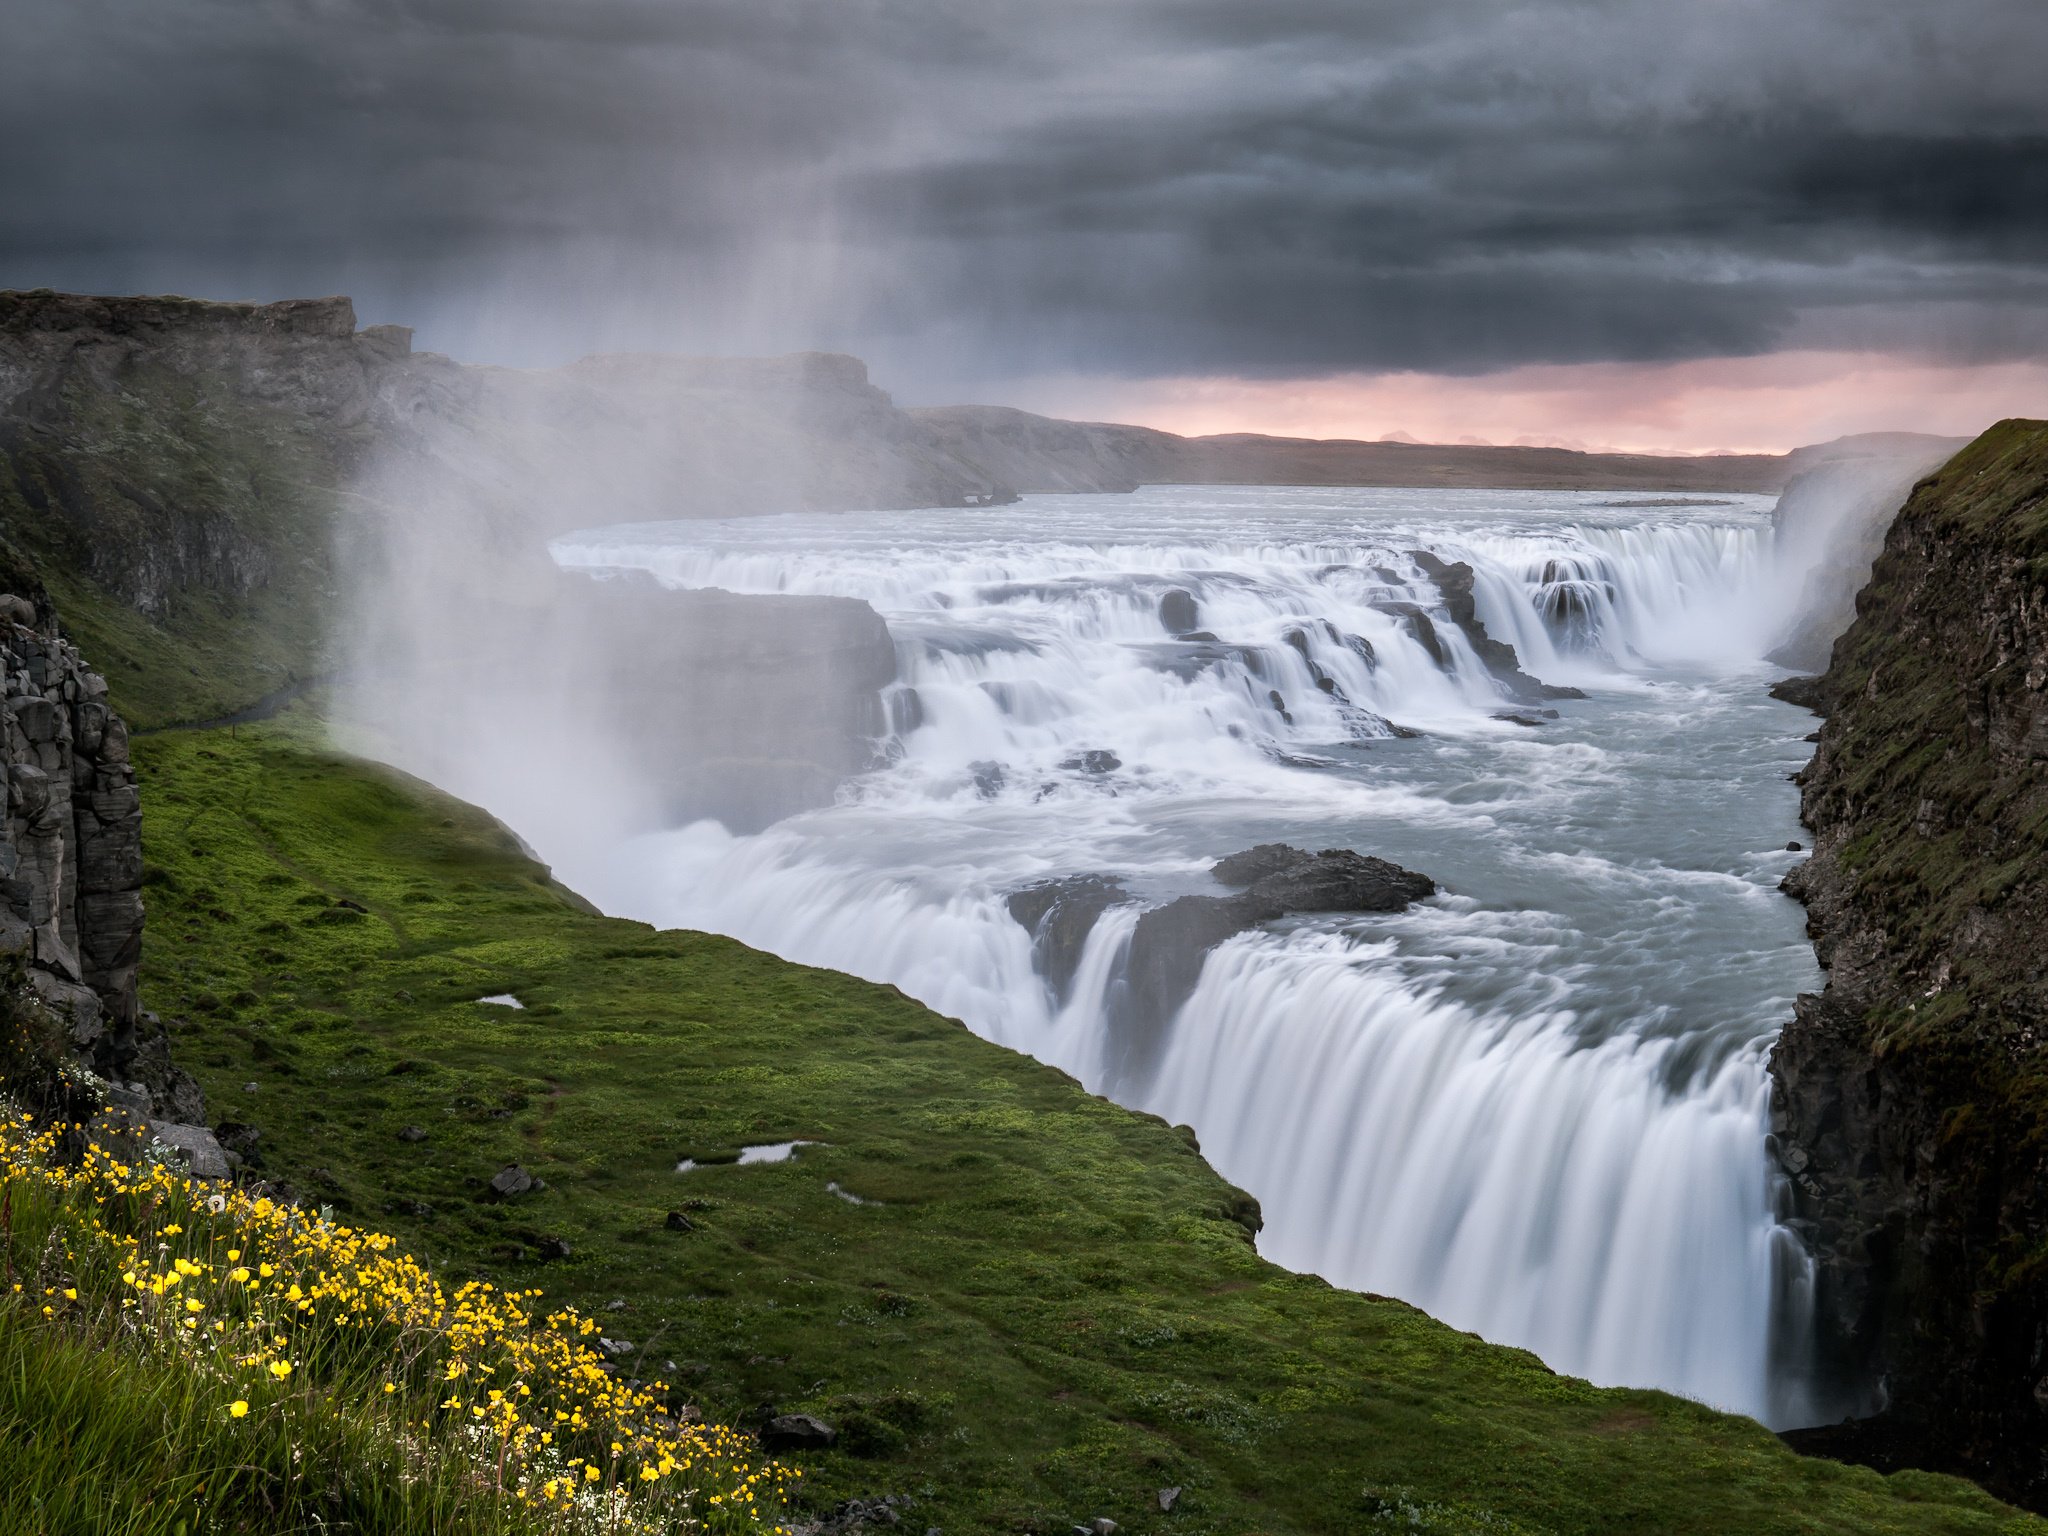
{"points": [[987, 199]]}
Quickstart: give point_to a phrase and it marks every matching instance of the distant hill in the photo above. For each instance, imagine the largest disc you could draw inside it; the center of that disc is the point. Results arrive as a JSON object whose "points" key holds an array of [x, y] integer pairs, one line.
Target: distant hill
{"points": [[1029, 453]]}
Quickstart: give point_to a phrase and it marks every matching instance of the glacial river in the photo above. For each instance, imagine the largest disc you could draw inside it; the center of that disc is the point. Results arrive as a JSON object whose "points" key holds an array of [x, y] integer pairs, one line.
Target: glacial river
{"points": [[1536, 1105]]}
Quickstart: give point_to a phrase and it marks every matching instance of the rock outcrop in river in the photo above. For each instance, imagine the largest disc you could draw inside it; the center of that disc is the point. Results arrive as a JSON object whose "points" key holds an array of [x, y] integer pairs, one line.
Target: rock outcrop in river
{"points": [[1170, 942], [1911, 1096]]}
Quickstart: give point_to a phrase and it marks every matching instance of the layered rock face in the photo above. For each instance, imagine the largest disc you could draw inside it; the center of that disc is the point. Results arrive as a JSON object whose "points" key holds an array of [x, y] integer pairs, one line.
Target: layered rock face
{"points": [[1911, 1096], [71, 857]]}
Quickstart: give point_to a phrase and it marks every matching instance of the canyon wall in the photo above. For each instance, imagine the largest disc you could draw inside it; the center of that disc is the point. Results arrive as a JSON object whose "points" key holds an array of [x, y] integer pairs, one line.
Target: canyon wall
{"points": [[1911, 1096], [71, 855]]}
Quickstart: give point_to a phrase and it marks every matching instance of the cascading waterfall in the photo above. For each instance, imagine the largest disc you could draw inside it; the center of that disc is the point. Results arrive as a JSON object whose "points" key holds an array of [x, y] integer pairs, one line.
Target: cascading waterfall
{"points": [[1534, 1106]]}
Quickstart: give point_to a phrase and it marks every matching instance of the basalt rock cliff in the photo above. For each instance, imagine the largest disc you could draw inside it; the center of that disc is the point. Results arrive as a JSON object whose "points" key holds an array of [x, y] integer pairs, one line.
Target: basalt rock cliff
{"points": [[1911, 1096], [71, 856]]}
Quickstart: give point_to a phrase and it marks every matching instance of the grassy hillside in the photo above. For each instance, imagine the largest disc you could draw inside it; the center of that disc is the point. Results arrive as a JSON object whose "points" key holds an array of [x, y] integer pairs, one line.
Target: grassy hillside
{"points": [[185, 534], [1041, 1309]]}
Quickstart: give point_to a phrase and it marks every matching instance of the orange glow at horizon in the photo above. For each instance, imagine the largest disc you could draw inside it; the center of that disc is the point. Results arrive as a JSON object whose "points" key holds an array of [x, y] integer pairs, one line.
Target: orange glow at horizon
{"points": [[1766, 404]]}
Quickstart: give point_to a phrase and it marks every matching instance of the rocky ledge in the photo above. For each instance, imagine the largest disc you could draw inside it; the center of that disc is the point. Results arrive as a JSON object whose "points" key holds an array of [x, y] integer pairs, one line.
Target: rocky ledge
{"points": [[71, 859], [1910, 1098], [1170, 943]]}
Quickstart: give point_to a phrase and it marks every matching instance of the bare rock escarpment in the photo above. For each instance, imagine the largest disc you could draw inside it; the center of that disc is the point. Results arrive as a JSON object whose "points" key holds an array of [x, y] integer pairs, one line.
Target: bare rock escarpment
{"points": [[1911, 1096], [71, 860]]}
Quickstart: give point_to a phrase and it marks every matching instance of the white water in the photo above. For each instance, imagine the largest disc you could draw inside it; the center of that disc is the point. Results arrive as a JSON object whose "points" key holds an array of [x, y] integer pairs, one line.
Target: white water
{"points": [[1534, 1106]]}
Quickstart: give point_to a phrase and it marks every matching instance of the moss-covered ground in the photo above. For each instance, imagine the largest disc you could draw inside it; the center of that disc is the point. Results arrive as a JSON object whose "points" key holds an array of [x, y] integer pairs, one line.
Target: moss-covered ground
{"points": [[1040, 1311]]}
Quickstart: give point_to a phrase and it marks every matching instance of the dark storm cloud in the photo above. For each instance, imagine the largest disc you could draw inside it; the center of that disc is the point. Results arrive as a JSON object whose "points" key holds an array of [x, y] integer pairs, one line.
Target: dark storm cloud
{"points": [[969, 190]]}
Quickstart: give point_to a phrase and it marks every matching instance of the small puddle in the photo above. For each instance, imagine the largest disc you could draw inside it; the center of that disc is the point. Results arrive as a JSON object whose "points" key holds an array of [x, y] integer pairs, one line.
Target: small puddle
{"points": [[502, 1000], [764, 1152]]}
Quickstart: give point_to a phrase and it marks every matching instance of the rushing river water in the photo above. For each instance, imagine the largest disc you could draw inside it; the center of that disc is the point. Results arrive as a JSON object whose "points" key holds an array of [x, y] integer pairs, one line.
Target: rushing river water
{"points": [[1535, 1105]]}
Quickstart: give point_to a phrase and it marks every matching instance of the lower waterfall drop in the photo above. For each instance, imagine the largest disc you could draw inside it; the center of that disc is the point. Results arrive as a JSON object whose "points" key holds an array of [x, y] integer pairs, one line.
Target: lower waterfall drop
{"points": [[1534, 1105]]}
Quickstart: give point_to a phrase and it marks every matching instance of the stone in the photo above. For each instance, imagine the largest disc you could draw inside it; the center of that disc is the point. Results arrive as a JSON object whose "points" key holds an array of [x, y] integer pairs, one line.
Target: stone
{"points": [[1095, 761], [240, 1140], [1179, 613], [1059, 915], [678, 1222], [196, 1144], [551, 1249], [509, 1183], [1455, 582], [1170, 942], [1102, 1525], [796, 1432], [1795, 846], [411, 1133], [1168, 1497]]}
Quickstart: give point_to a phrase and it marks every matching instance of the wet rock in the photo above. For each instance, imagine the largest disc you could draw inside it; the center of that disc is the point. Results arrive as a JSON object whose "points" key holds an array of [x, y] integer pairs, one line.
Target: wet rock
{"points": [[989, 778], [1806, 692], [1421, 626], [1454, 582], [1337, 880], [1179, 613], [509, 1183], [1795, 846], [1170, 943], [1059, 915], [906, 711], [796, 1432], [1095, 761], [1256, 863]]}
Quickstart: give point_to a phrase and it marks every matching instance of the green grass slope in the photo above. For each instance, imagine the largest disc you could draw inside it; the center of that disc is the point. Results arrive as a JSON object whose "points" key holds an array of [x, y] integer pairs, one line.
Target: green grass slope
{"points": [[1042, 1310], [184, 532]]}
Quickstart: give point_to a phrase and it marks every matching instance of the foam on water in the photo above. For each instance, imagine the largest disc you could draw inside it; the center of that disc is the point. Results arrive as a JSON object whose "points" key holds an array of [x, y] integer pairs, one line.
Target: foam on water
{"points": [[1535, 1106]]}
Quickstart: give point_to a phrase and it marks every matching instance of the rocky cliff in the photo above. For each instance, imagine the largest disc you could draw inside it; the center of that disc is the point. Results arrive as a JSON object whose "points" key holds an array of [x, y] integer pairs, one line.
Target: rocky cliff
{"points": [[1911, 1096], [71, 856], [190, 478]]}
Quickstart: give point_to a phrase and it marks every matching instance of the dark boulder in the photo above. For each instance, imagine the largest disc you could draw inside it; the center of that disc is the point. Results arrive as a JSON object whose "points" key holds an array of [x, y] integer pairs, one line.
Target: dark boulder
{"points": [[509, 1183], [1059, 915], [796, 1432], [1096, 760], [1171, 943], [1179, 613], [1338, 880], [1255, 863]]}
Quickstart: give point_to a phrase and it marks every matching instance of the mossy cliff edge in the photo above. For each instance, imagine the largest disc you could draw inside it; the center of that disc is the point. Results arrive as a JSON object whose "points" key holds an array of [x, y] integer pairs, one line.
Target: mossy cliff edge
{"points": [[1912, 1095]]}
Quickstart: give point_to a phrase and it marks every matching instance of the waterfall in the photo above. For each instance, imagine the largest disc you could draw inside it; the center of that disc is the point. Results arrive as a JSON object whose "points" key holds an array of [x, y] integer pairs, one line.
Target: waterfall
{"points": [[1535, 1106]]}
